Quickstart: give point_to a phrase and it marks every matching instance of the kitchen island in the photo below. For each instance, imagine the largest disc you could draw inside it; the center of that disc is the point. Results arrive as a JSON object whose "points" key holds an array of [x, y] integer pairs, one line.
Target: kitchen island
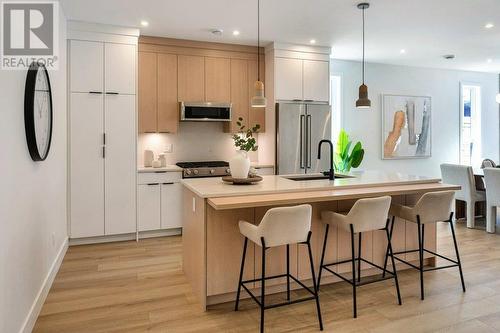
{"points": [[212, 243]]}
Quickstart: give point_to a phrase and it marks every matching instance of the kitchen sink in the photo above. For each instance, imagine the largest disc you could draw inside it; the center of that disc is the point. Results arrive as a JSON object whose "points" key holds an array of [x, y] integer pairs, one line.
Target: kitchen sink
{"points": [[314, 177]]}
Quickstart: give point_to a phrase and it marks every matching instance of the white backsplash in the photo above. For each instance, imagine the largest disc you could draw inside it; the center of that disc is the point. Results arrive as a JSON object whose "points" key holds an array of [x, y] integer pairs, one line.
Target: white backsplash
{"points": [[194, 141]]}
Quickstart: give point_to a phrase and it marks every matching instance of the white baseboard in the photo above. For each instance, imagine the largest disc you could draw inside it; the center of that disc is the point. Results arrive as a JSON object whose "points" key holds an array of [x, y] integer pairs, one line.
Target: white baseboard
{"points": [[32, 316], [125, 237]]}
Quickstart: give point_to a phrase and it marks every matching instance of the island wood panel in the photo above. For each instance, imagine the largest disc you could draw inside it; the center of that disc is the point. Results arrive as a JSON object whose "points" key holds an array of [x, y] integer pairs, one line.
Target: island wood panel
{"points": [[225, 249], [217, 79], [147, 87], [355, 192], [168, 108], [191, 78], [194, 262]]}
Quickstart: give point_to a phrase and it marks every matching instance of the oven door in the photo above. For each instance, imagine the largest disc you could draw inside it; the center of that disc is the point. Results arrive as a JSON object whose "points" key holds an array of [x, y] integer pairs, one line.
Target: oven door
{"points": [[205, 111]]}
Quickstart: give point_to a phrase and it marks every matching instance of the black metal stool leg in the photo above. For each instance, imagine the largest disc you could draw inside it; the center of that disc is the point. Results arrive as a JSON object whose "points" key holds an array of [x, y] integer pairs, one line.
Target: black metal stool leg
{"points": [[287, 272], [387, 251], [241, 274], [323, 255], [456, 251], [262, 285], [353, 260], [316, 288], [391, 253], [359, 257], [421, 258]]}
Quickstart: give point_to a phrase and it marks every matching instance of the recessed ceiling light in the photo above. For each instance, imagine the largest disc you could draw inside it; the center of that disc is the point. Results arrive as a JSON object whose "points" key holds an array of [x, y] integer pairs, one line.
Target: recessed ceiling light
{"points": [[312, 41], [402, 51], [236, 33], [449, 56], [217, 32], [144, 23], [489, 25], [490, 60]]}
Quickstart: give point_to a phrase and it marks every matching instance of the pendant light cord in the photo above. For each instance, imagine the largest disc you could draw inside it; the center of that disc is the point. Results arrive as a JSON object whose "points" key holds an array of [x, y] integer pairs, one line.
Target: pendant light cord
{"points": [[363, 46], [258, 40]]}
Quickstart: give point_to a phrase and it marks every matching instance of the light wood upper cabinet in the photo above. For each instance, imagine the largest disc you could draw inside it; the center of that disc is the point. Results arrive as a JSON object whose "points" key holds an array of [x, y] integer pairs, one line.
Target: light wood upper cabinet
{"points": [[191, 78], [217, 79], [288, 79], [148, 68], [255, 115], [168, 108], [239, 94], [316, 80]]}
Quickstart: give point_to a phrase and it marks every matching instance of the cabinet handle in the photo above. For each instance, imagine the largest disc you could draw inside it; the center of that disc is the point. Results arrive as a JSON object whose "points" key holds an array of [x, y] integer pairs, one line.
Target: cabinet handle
{"points": [[297, 100], [167, 183], [103, 152], [160, 172], [111, 93], [103, 138], [153, 184], [309, 100], [95, 92]]}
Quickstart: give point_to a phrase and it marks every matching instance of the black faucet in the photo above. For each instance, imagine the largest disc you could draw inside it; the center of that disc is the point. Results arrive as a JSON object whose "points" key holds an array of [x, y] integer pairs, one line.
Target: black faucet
{"points": [[331, 174]]}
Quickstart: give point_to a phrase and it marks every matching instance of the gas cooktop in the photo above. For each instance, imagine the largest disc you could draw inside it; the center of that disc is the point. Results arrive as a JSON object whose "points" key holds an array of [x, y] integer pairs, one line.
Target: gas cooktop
{"points": [[204, 169]]}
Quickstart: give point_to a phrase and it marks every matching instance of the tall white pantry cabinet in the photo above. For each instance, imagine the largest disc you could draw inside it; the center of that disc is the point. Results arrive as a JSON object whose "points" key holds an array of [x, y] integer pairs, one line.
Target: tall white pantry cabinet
{"points": [[102, 130]]}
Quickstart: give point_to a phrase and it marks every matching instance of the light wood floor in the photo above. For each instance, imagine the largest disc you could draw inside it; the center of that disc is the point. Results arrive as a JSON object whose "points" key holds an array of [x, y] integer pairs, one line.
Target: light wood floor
{"points": [[139, 287]]}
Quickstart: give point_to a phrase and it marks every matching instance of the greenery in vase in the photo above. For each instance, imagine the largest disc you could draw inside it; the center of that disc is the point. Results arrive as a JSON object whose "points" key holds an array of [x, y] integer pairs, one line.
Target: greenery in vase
{"points": [[345, 160], [244, 140]]}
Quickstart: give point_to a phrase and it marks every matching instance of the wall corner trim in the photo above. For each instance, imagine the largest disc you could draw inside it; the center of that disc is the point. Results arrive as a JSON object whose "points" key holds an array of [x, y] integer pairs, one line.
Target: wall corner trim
{"points": [[37, 305]]}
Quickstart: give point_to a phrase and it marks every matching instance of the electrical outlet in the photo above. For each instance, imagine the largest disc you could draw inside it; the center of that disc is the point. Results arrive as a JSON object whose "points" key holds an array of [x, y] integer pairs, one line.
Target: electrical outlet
{"points": [[169, 148]]}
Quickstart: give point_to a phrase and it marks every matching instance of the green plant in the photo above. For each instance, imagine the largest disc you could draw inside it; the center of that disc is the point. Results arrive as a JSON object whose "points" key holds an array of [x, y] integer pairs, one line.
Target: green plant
{"points": [[244, 140], [344, 160]]}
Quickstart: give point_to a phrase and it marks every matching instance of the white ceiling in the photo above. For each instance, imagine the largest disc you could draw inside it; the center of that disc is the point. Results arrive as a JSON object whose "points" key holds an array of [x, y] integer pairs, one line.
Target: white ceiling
{"points": [[426, 29]]}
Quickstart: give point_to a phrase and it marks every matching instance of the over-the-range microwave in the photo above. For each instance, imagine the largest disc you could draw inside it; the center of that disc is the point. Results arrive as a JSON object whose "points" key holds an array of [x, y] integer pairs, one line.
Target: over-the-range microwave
{"points": [[205, 111]]}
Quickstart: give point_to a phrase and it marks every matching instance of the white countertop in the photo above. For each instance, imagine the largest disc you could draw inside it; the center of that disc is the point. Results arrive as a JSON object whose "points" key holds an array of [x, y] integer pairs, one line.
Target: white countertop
{"points": [[215, 187], [168, 168]]}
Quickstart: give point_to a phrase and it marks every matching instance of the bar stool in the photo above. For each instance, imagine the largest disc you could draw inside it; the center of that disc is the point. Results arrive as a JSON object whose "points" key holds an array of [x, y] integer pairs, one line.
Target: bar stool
{"points": [[365, 215], [279, 226], [431, 207]]}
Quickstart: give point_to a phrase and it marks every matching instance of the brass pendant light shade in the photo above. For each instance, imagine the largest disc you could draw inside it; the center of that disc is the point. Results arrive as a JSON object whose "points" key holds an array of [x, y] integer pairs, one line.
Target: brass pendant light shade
{"points": [[258, 100], [363, 102]]}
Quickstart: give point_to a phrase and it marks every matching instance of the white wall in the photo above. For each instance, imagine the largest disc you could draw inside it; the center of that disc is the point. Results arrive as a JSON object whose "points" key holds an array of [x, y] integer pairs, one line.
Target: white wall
{"points": [[444, 88], [32, 197], [195, 141]]}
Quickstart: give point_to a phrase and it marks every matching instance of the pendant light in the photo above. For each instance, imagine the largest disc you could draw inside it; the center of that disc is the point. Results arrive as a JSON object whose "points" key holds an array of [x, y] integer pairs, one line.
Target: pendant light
{"points": [[363, 102], [258, 100]]}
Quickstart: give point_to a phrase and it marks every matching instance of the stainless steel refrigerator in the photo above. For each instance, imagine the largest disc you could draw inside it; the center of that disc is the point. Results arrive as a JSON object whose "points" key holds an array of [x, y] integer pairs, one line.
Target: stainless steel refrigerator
{"points": [[299, 128]]}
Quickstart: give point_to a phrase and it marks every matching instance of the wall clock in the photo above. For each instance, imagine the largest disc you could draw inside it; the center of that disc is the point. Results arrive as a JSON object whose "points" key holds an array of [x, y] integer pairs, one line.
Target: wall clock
{"points": [[38, 111]]}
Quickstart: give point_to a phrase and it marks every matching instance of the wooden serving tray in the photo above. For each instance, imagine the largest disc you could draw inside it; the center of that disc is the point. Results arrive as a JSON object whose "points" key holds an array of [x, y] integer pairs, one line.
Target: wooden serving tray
{"points": [[242, 181]]}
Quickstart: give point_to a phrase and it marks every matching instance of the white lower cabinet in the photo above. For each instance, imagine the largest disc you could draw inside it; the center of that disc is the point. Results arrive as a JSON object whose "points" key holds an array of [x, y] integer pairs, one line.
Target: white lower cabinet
{"points": [[159, 201]]}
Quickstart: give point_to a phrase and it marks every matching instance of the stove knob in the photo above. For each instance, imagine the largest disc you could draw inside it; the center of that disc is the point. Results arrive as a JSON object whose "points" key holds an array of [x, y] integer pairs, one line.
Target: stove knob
{"points": [[212, 171], [228, 171], [188, 172], [195, 171]]}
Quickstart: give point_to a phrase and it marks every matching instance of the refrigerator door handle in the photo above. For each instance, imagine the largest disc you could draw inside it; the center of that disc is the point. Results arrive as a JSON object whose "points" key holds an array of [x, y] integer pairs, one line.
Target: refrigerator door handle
{"points": [[308, 140], [301, 144]]}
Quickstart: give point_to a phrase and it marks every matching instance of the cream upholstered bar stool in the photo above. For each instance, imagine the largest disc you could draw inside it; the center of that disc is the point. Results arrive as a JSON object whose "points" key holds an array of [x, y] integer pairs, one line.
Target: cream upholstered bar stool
{"points": [[279, 226], [463, 175], [365, 215], [432, 207]]}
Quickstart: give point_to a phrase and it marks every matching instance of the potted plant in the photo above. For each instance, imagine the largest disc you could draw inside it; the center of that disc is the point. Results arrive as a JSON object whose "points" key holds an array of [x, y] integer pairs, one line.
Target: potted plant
{"points": [[244, 142], [345, 160]]}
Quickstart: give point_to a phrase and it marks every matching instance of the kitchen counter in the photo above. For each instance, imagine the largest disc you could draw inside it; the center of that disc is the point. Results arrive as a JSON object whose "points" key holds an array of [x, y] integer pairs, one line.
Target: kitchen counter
{"points": [[212, 243], [168, 168], [215, 187]]}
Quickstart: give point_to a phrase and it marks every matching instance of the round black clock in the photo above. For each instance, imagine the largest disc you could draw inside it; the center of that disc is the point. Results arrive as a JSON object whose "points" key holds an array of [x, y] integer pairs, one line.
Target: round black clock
{"points": [[38, 111]]}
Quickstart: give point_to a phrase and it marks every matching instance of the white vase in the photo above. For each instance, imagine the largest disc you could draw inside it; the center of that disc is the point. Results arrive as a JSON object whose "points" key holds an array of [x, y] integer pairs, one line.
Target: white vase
{"points": [[240, 165]]}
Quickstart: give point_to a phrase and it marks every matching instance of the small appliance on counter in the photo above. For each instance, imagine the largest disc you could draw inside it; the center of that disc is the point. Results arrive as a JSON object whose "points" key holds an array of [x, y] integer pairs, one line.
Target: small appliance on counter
{"points": [[204, 169]]}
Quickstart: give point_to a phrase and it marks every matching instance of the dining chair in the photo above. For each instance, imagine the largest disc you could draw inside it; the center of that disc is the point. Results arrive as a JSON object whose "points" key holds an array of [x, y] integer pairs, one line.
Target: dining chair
{"points": [[487, 163], [462, 175], [492, 183]]}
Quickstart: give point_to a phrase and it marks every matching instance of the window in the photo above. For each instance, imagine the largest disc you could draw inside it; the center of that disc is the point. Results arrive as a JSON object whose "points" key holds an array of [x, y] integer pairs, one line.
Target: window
{"points": [[336, 98], [470, 124]]}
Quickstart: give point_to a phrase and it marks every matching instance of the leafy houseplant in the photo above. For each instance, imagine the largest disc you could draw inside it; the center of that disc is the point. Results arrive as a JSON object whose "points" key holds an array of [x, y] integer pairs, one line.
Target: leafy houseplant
{"points": [[345, 160], [244, 142]]}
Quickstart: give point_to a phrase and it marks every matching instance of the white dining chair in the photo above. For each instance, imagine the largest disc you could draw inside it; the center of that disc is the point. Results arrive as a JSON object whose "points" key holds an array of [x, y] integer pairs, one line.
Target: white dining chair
{"points": [[492, 183], [462, 175]]}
